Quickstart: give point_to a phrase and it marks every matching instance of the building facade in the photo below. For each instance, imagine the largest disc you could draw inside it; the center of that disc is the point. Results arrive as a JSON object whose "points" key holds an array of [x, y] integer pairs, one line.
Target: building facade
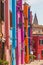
{"points": [[25, 11], [38, 46], [37, 38], [20, 33]]}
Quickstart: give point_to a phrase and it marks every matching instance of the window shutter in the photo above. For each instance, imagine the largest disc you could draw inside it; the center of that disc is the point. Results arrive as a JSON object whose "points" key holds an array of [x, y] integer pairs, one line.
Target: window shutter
{"points": [[2, 10], [24, 31], [25, 50], [20, 23]]}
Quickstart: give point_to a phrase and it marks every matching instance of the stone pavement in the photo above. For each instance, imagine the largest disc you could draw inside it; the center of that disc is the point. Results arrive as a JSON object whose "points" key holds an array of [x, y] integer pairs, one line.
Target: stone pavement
{"points": [[36, 62]]}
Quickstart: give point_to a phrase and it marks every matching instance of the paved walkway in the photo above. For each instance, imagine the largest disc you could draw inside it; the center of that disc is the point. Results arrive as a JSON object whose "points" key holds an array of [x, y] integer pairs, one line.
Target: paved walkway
{"points": [[36, 62]]}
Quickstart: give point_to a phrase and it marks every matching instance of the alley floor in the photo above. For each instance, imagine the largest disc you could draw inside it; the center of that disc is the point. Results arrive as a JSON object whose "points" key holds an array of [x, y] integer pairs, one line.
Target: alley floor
{"points": [[36, 62]]}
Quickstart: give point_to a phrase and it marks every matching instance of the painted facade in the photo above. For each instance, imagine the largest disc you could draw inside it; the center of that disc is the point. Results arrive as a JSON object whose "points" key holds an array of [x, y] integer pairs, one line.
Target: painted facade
{"points": [[26, 37], [30, 30], [20, 34], [13, 32], [7, 30], [2, 43], [37, 29], [25, 11], [37, 37], [38, 46]]}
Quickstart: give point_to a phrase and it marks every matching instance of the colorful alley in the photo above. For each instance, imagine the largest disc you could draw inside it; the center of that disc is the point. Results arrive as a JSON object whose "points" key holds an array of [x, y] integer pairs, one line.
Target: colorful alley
{"points": [[21, 40]]}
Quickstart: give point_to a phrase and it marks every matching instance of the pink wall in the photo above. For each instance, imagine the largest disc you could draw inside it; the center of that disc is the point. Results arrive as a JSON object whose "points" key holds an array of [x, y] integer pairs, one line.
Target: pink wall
{"points": [[19, 42], [3, 29], [7, 30]]}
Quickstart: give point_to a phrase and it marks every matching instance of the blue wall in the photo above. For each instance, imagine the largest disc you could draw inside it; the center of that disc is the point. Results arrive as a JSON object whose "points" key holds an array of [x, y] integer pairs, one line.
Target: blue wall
{"points": [[29, 28], [14, 23], [13, 32]]}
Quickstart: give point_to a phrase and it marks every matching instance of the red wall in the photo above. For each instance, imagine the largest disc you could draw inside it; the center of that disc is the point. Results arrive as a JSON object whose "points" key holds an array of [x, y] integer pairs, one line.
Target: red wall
{"points": [[37, 47]]}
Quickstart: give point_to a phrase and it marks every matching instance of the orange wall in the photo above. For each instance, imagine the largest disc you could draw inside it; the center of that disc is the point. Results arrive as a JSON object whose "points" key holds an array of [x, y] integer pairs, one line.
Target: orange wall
{"points": [[26, 38]]}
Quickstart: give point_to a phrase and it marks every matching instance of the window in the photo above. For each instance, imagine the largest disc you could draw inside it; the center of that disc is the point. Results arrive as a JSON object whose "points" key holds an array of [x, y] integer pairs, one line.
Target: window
{"points": [[39, 31], [42, 52], [41, 42], [25, 50], [29, 23], [24, 31], [10, 19], [24, 34], [1, 10], [42, 30], [20, 23], [2, 50]]}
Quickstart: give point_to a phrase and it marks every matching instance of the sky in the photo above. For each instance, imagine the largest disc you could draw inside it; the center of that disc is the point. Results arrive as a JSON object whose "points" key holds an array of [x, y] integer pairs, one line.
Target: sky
{"points": [[36, 7], [10, 5]]}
